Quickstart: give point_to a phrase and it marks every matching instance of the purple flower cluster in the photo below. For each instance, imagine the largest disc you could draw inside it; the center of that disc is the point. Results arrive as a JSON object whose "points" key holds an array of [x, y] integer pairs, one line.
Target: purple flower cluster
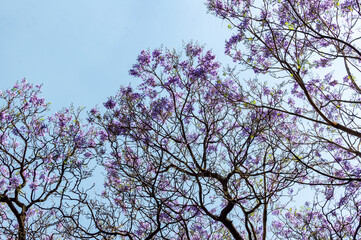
{"points": [[110, 104]]}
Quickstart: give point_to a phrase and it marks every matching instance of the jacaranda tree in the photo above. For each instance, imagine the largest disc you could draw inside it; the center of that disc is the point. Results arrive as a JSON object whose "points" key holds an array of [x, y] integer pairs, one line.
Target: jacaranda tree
{"points": [[310, 50], [185, 162], [43, 160]]}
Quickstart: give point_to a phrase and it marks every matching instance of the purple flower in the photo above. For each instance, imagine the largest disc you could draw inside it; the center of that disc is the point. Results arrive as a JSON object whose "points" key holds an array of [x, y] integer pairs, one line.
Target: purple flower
{"points": [[14, 181], [88, 154], [94, 111], [2, 115], [144, 58], [33, 186], [342, 201], [110, 104], [2, 182], [193, 50], [266, 91], [199, 72], [329, 193], [333, 83], [298, 111], [134, 71], [156, 53]]}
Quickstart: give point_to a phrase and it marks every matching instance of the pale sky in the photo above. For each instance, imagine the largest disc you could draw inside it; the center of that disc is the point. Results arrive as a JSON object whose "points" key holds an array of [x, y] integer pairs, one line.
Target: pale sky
{"points": [[81, 50]]}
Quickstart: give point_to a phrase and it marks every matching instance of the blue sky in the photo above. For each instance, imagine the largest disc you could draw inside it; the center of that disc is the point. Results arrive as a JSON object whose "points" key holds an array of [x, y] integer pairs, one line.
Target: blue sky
{"points": [[81, 50]]}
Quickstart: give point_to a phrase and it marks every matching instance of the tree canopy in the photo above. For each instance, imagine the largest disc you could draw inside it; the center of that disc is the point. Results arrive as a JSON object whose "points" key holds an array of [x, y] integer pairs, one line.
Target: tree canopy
{"points": [[266, 149]]}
